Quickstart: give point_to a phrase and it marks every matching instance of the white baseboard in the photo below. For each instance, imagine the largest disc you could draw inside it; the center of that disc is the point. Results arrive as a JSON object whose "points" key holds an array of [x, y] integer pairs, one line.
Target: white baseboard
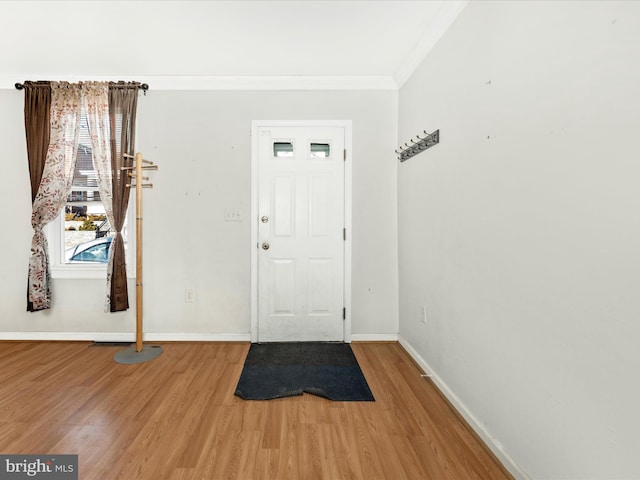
{"points": [[164, 337], [494, 445], [374, 337], [198, 337], [125, 337]]}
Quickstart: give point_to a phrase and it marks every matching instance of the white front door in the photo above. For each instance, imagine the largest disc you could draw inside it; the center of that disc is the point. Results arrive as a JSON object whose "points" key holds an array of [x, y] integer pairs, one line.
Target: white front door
{"points": [[301, 221]]}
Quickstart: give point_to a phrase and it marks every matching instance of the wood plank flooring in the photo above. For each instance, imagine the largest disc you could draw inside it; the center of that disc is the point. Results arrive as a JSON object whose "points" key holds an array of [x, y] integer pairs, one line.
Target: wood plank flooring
{"points": [[176, 418]]}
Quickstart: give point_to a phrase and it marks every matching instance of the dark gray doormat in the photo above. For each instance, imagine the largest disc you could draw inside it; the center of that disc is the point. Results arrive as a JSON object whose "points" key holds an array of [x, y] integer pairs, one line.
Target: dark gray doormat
{"points": [[276, 370]]}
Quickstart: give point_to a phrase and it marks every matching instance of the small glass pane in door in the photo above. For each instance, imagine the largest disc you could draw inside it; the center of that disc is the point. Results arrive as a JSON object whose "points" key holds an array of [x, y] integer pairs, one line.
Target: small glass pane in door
{"points": [[320, 150], [282, 149]]}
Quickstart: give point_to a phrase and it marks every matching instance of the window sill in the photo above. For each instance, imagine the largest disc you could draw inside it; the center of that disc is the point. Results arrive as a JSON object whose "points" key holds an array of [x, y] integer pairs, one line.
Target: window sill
{"points": [[80, 272]]}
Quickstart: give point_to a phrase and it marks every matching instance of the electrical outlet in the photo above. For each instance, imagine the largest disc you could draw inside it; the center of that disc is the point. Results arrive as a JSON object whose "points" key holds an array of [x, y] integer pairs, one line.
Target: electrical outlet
{"points": [[189, 296], [423, 314]]}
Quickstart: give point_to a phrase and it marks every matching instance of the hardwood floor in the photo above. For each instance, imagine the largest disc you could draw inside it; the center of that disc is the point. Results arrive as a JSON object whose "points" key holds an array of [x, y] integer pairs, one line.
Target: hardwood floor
{"points": [[176, 418]]}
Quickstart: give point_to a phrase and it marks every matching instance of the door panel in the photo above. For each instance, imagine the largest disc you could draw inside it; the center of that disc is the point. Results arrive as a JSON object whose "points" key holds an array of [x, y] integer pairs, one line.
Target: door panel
{"points": [[320, 206], [320, 286], [300, 221], [283, 281], [283, 199]]}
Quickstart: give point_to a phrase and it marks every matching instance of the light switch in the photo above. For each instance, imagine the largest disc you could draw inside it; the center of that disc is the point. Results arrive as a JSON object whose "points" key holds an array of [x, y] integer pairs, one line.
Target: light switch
{"points": [[232, 215]]}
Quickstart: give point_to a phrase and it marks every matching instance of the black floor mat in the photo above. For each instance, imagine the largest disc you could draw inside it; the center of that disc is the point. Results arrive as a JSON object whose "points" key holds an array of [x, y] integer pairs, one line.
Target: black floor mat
{"points": [[275, 370]]}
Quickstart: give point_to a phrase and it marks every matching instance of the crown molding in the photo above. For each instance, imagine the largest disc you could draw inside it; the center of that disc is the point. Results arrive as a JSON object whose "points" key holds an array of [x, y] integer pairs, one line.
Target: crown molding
{"points": [[440, 23], [184, 82]]}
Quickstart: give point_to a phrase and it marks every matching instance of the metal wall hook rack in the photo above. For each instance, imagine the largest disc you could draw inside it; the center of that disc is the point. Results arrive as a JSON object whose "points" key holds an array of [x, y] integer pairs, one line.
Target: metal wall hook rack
{"points": [[418, 146]]}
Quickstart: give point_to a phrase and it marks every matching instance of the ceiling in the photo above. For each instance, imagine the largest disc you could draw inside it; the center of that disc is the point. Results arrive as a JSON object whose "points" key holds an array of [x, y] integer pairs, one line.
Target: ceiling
{"points": [[193, 44]]}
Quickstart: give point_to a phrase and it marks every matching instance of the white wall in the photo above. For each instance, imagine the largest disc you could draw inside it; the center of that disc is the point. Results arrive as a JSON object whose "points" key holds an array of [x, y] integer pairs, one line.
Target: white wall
{"points": [[201, 142], [520, 231]]}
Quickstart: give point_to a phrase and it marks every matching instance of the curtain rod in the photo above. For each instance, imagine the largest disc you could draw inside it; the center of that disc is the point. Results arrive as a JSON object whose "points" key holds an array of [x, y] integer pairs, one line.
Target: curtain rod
{"points": [[143, 86]]}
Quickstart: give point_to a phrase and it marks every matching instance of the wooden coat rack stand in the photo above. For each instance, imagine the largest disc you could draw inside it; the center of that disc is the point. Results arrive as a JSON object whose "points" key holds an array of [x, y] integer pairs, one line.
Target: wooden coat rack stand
{"points": [[139, 353]]}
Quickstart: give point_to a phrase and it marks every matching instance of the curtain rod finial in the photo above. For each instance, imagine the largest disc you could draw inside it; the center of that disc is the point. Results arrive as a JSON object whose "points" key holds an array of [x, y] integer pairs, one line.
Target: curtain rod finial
{"points": [[19, 86]]}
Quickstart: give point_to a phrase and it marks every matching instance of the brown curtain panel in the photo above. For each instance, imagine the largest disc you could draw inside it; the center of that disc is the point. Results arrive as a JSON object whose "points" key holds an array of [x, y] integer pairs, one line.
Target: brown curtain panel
{"points": [[37, 105], [123, 103]]}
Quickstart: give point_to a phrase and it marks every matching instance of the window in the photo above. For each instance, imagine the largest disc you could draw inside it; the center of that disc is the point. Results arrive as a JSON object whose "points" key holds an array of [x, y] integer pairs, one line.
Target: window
{"points": [[283, 149], [80, 238], [320, 150]]}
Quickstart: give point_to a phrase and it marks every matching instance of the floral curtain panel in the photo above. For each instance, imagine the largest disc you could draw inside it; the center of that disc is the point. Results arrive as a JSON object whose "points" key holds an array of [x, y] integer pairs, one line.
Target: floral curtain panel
{"points": [[95, 96], [54, 186]]}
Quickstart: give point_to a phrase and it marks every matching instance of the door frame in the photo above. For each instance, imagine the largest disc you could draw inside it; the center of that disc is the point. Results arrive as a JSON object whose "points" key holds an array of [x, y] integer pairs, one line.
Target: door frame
{"points": [[347, 126]]}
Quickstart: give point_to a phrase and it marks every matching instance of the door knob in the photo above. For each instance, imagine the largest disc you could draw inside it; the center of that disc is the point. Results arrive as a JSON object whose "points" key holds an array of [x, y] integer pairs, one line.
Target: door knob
{"points": [[265, 246], [264, 219]]}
